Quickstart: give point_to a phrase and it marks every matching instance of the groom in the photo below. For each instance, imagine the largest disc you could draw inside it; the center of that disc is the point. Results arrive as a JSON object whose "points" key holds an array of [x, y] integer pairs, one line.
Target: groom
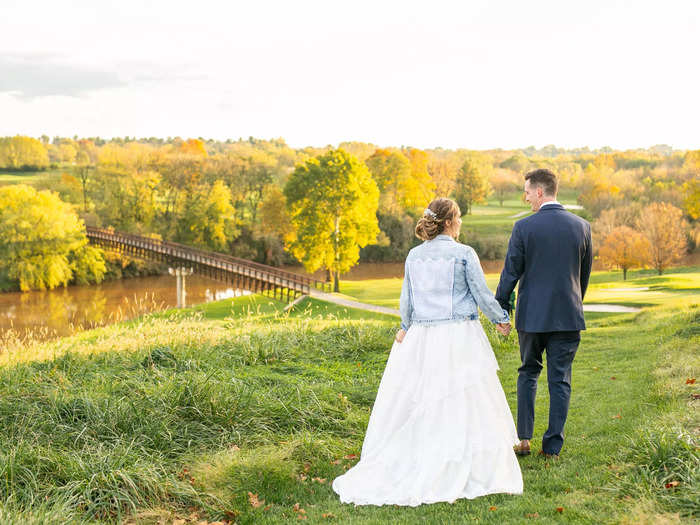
{"points": [[550, 254]]}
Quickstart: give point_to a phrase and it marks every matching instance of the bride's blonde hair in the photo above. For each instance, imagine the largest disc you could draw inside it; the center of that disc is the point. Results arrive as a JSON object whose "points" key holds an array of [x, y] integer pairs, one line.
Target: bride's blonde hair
{"points": [[432, 223]]}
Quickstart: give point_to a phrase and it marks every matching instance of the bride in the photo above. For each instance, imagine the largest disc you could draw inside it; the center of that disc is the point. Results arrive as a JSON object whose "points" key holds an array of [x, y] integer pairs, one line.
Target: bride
{"points": [[440, 428]]}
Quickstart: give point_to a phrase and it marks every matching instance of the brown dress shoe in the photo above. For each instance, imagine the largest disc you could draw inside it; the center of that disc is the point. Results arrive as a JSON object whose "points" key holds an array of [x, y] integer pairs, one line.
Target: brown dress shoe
{"points": [[521, 450], [548, 456]]}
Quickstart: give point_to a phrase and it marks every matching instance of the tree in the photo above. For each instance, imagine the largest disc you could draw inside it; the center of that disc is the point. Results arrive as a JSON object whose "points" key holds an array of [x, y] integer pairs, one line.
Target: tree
{"points": [[43, 242], [332, 202], [692, 198], [472, 184], [443, 172], [23, 153], [207, 218], [613, 218], [418, 189], [504, 182], [663, 225], [625, 248], [390, 170]]}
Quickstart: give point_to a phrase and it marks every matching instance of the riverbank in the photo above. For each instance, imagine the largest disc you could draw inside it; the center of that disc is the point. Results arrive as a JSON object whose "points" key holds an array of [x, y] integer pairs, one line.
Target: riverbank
{"points": [[236, 411]]}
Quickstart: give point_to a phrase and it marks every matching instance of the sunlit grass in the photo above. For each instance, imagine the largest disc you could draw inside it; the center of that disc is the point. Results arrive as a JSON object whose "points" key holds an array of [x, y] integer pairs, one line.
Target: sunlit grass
{"points": [[678, 286], [184, 412]]}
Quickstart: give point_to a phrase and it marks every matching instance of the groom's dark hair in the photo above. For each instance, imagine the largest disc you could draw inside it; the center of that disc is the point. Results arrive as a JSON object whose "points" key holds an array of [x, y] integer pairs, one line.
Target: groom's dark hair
{"points": [[545, 179]]}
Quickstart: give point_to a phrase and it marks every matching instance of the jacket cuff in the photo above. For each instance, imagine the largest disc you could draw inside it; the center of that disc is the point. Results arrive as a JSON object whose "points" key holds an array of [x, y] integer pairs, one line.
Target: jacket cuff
{"points": [[504, 319], [404, 326]]}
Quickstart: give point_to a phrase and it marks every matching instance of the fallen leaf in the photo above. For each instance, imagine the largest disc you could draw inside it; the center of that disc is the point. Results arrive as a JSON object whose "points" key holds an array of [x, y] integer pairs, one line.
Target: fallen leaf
{"points": [[560, 509], [267, 507], [328, 515], [336, 462], [618, 416], [235, 447], [532, 515], [302, 477], [613, 377], [690, 381], [307, 466], [493, 507], [695, 396], [296, 507], [319, 480], [254, 501], [672, 484], [351, 456]]}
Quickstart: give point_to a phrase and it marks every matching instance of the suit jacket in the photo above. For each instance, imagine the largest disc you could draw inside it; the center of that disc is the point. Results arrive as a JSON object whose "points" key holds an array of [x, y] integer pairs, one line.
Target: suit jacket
{"points": [[550, 255]]}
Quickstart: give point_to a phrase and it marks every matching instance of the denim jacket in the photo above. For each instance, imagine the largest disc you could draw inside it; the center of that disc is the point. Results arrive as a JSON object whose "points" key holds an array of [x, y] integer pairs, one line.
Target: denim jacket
{"points": [[443, 282]]}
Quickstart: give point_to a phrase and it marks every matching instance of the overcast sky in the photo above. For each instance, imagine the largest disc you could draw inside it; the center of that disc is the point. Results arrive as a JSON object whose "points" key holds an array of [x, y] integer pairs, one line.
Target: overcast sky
{"points": [[473, 74]]}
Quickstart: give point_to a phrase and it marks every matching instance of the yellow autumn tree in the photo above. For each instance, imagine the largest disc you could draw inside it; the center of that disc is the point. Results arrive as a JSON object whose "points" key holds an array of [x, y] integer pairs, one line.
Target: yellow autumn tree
{"points": [[418, 189], [663, 225], [332, 201], [43, 242], [625, 248]]}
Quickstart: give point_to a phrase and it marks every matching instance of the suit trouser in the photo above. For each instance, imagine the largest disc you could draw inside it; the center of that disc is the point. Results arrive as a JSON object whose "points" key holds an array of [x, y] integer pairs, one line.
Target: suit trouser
{"points": [[561, 348]]}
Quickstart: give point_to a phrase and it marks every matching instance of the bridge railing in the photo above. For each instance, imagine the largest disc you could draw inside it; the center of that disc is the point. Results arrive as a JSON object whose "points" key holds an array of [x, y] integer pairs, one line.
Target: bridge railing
{"points": [[243, 266]]}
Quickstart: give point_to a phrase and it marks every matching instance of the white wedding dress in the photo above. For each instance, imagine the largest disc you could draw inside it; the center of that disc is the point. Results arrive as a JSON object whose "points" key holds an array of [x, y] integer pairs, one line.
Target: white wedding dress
{"points": [[440, 428]]}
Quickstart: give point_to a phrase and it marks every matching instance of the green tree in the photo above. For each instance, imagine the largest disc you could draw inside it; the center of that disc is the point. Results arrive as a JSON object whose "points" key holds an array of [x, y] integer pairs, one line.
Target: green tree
{"points": [[390, 170], [207, 219], [43, 242], [472, 183], [332, 202]]}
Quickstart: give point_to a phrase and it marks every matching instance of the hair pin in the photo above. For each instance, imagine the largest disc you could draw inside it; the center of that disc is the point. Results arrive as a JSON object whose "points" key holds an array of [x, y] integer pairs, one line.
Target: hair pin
{"points": [[430, 213]]}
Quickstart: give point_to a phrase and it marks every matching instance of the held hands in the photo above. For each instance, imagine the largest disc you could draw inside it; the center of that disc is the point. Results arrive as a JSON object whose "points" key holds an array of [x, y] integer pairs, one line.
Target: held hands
{"points": [[400, 335], [503, 329]]}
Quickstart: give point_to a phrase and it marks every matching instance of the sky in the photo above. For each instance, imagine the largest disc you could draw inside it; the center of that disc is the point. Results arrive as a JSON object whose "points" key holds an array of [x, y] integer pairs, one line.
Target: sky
{"points": [[454, 74]]}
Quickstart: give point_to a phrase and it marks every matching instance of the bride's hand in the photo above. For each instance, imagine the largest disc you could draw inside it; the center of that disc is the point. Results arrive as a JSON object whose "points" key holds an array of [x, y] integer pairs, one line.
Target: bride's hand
{"points": [[400, 335], [503, 328]]}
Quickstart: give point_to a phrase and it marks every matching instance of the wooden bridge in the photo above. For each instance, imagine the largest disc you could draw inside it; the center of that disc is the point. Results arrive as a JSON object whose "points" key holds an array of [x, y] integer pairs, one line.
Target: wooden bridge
{"points": [[241, 273]]}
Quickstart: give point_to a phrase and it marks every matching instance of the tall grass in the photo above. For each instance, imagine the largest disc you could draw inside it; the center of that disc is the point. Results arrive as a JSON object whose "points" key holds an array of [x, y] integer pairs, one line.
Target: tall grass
{"points": [[205, 412]]}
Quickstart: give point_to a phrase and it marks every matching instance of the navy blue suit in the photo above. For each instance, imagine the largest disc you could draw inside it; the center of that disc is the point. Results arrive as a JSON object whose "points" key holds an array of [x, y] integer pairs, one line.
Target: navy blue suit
{"points": [[550, 256]]}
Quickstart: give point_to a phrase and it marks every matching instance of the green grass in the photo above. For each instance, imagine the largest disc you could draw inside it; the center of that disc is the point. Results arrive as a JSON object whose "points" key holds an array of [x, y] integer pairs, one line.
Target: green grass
{"points": [[28, 177], [678, 286], [181, 414], [492, 219]]}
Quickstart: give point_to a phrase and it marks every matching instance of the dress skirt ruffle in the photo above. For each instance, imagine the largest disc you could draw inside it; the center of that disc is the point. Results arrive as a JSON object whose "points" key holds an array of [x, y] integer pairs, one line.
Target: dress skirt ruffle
{"points": [[440, 428]]}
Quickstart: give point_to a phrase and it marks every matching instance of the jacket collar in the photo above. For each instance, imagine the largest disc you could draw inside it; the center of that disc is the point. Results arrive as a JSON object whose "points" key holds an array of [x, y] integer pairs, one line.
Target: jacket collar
{"points": [[556, 206], [442, 237]]}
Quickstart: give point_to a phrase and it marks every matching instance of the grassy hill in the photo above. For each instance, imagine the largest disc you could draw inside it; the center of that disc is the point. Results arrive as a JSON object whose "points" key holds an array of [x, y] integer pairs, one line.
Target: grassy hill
{"points": [[237, 411]]}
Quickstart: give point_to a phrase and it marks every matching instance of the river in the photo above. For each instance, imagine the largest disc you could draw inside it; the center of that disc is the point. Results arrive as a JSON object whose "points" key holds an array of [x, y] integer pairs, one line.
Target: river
{"points": [[60, 312]]}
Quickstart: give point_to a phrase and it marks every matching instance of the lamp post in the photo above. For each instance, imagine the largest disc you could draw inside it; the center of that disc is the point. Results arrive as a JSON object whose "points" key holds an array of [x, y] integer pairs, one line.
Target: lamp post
{"points": [[180, 274]]}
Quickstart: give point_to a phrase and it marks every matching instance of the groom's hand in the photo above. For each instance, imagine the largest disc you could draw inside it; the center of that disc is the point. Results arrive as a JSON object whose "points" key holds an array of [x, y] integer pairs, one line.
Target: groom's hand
{"points": [[503, 328]]}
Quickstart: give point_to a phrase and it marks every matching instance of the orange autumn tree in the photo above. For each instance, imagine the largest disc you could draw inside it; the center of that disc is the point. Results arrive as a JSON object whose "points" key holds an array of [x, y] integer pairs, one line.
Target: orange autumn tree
{"points": [[625, 248], [663, 225]]}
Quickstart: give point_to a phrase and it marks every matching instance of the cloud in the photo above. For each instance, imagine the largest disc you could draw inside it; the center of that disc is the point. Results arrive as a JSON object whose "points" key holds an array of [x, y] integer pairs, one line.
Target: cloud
{"points": [[42, 75]]}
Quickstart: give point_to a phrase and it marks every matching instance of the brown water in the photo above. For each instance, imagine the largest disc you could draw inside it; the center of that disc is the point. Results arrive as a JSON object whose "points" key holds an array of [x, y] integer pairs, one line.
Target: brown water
{"points": [[63, 311]]}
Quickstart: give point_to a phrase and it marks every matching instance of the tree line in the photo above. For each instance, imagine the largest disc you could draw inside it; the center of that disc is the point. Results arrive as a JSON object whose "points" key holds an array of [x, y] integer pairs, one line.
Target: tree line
{"points": [[250, 197]]}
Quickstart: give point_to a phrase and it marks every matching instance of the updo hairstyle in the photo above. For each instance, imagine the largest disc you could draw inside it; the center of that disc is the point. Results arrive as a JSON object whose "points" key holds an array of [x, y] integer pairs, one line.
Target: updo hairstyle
{"points": [[432, 223]]}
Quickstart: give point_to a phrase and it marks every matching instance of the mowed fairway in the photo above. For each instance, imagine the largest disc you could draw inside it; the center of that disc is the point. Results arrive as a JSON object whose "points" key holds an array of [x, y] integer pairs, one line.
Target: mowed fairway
{"points": [[236, 411]]}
